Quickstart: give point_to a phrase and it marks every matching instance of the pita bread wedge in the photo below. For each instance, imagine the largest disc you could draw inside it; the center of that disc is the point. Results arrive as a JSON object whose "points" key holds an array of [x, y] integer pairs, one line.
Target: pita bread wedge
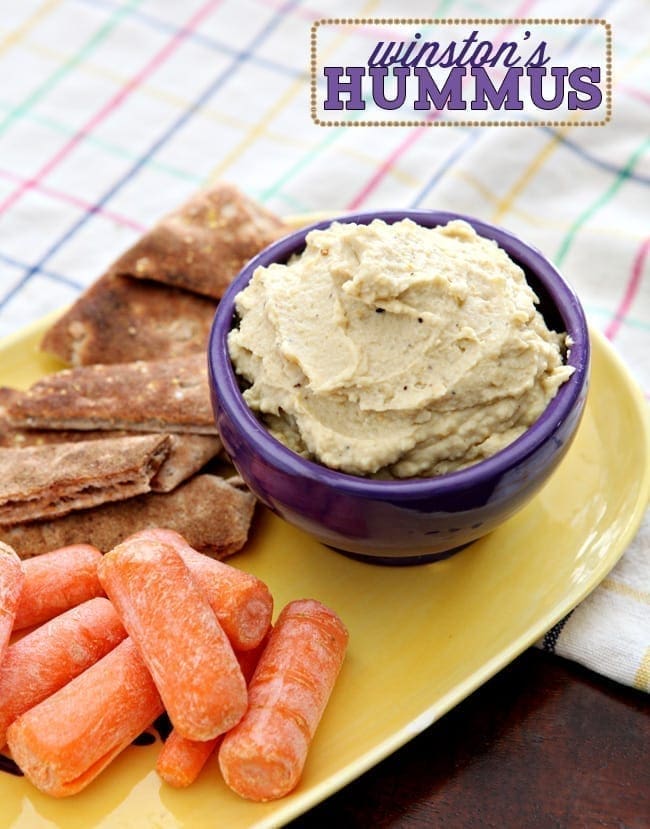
{"points": [[46, 481], [145, 396], [9, 435], [188, 454], [208, 511], [118, 320], [203, 244], [15, 437]]}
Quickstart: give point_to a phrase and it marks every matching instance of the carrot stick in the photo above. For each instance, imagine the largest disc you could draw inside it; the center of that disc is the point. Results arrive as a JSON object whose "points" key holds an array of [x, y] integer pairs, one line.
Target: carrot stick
{"points": [[262, 758], [248, 660], [66, 740], [12, 578], [181, 760], [51, 655], [243, 604], [57, 581], [180, 639]]}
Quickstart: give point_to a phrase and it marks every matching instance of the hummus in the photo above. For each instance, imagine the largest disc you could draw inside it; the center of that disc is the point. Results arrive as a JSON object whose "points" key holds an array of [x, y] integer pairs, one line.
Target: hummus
{"points": [[395, 350]]}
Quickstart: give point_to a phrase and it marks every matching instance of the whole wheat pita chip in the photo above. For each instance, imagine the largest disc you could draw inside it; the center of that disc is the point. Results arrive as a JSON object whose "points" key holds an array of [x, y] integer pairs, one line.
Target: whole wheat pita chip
{"points": [[145, 396], [188, 454], [10, 436], [16, 437], [203, 244], [47, 481], [208, 511], [119, 320]]}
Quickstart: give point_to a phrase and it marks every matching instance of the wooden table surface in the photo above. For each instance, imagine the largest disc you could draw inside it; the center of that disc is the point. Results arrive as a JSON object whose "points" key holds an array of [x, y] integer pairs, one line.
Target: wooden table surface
{"points": [[545, 743]]}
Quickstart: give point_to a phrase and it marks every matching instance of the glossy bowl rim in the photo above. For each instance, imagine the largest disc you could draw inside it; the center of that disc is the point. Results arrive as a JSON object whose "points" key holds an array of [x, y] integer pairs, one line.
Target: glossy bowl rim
{"points": [[225, 384]]}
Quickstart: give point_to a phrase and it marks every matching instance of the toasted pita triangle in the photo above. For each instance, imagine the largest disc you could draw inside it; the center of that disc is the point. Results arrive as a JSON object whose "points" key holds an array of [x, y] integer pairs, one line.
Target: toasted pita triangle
{"points": [[17, 437], [46, 481], [188, 454], [119, 320], [203, 244], [145, 396], [210, 513]]}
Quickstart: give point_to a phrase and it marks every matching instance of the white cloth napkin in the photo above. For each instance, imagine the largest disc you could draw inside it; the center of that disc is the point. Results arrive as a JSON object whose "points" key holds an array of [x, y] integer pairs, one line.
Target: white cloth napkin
{"points": [[609, 631]]}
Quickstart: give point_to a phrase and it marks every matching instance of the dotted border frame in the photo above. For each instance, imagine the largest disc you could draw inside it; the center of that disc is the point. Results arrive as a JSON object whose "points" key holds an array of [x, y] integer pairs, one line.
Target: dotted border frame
{"points": [[459, 21]]}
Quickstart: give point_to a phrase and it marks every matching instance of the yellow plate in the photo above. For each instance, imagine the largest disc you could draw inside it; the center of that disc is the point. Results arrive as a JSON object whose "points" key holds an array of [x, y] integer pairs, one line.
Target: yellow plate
{"points": [[422, 638]]}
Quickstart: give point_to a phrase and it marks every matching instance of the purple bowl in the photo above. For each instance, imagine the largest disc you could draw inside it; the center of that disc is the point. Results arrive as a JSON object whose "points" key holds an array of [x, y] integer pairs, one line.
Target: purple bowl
{"points": [[414, 520]]}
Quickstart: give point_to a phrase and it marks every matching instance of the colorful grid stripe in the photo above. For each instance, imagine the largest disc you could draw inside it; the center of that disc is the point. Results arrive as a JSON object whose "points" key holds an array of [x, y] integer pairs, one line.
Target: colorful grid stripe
{"points": [[113, 103], [303, 166]]}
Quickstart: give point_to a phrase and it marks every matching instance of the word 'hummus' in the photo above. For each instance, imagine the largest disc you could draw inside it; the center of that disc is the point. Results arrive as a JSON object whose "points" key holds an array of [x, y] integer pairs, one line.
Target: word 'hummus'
{"points": [[396, 350]]}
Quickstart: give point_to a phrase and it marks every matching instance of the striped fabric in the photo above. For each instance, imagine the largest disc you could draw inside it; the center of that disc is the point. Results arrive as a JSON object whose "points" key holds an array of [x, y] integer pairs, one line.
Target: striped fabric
{"points": [[113, 111]]}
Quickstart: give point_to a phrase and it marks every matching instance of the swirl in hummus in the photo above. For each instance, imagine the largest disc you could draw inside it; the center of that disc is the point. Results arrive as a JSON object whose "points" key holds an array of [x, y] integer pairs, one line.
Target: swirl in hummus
{"points": [[396, 350]]}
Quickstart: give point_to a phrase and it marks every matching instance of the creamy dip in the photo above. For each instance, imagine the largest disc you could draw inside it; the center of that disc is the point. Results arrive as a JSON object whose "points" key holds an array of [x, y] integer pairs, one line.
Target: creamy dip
{"points": [[395, 350]]}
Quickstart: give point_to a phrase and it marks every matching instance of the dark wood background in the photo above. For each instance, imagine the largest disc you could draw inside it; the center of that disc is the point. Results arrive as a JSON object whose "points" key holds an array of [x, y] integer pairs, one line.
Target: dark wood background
{"points": [[545, 743]]}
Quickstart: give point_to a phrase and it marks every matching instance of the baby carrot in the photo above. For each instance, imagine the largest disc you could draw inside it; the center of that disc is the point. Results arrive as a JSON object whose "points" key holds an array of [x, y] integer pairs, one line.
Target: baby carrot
{"points": [[248, 660], [243, 604], [262, 758], [178, 634], [180, 760], [57, 581], [46, 658], [11, 585], [66, 740]]}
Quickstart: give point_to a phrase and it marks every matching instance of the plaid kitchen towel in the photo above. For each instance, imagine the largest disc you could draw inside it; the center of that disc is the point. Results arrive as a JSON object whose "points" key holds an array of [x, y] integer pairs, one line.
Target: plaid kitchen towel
{"points": [[609, 630], [113, 111]]}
